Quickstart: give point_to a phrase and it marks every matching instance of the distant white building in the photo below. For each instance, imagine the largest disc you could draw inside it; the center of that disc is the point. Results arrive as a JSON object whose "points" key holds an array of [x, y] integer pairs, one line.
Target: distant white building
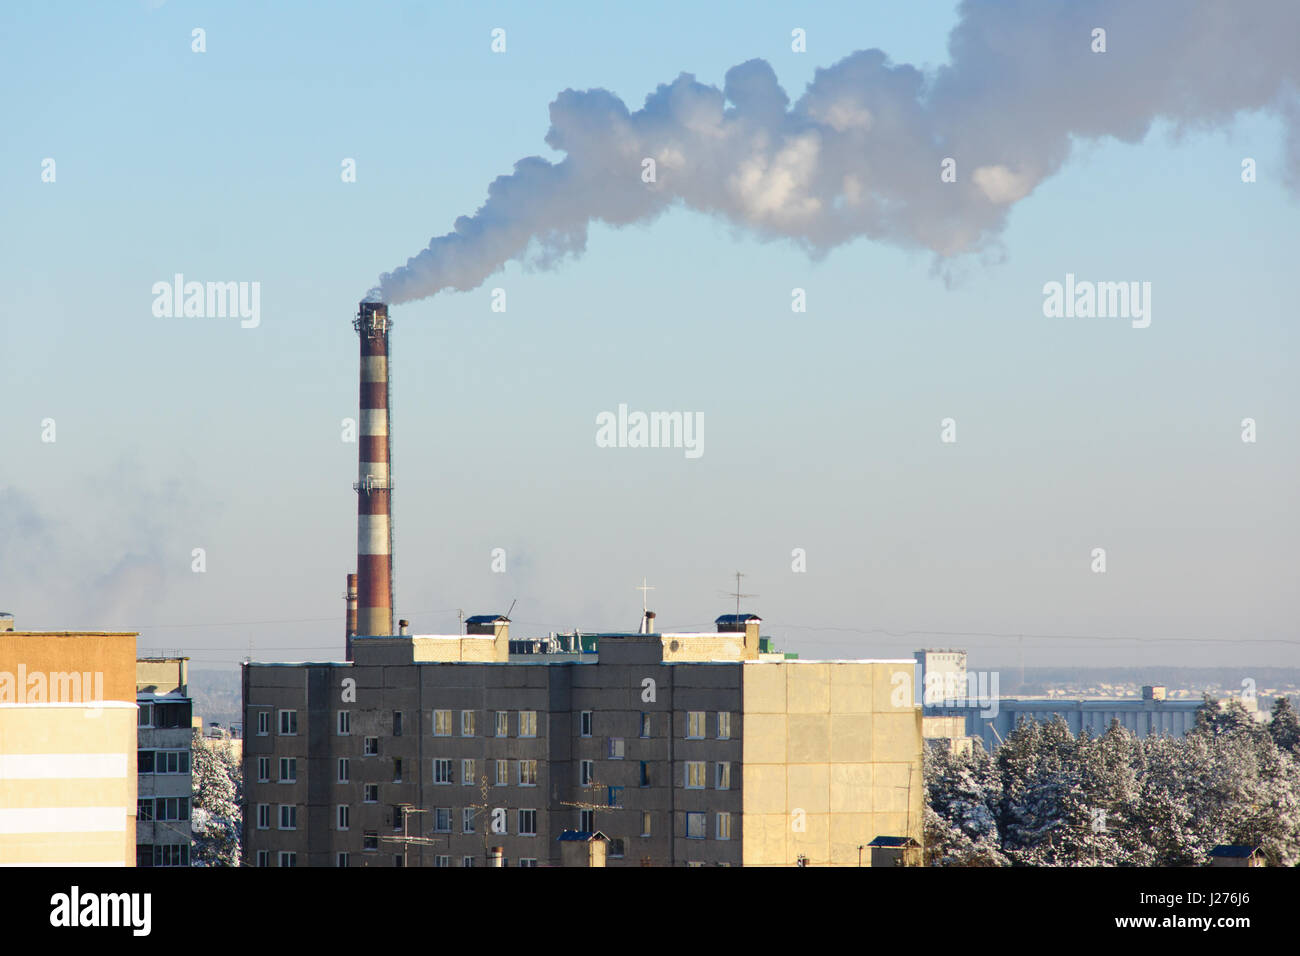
{"points": [[940, 676], [1149, 714]]}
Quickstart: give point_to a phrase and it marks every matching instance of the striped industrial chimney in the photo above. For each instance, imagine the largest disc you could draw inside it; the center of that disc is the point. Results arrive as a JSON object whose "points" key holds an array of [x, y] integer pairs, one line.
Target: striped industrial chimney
{"points": [[374, 485], [350, 621]]}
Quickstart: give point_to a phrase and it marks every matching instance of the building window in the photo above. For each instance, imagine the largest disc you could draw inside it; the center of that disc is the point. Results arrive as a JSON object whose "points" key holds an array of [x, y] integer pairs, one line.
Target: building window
{"points": [[146, 715], [724, 725], [442, 771], [528, 723], [467, 861], [695, 725], [442, 723], [528, 823], [587, 770], [398, 860], [614, 797], [165, 761], [345, 723], [645, 775], [502, 773], [144, 762], [442, 861], [695, 826], [264, 816], [173, 808], [397, 723], [372, 747], [617, 848], [143, 811], [467, 772], [263, 857], [288, 858], [344, 816], [288, 769], [288, 723], [263, 769], [370, 840], [288, 816], [645, 824], [528, 773], [467, 723], [585, 730], [173, 715], [615, 748], [724, 826], [527, 861], [341, 859], [397, 770], [398, 817], [645, 725], [467, 820], [263, 723], [371, 794], [503, 723], [587, 821], [343, 769], [172, 854], [442, 821], [695, 774], [722, 776]]}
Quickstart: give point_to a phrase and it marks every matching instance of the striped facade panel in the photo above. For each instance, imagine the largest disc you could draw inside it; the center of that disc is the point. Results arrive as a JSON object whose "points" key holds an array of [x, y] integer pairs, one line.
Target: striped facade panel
{"points": [[68, 784]]}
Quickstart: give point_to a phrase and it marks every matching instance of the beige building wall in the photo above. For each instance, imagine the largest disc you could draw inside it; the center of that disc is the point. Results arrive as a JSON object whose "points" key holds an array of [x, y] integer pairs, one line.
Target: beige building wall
{"points": [[67, 748], [67, 784], [831, 759], [703, 647], [162, 675], [469, 647]]}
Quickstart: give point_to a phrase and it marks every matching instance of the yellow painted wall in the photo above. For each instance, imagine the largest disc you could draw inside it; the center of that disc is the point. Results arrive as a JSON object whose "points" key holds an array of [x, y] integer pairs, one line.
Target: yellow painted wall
{"points": [[831, 759], [704, 647], [41, 748]]}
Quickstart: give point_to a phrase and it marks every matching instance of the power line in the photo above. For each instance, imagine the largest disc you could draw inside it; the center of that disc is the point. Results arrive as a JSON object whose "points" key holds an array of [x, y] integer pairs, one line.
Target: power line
{"points": [[1012, 635]]}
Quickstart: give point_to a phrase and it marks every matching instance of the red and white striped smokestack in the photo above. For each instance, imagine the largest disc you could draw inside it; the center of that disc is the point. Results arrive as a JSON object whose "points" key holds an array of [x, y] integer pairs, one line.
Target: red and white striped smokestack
{"points": [[350, 621], [374, 484]]}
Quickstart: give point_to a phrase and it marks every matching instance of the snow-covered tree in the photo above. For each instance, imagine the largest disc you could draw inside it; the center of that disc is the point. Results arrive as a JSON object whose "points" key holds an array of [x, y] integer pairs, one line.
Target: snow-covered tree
{"points": [[1284, 726], [961, 827], [1051, 798], [1214, 718], [216, 819]]}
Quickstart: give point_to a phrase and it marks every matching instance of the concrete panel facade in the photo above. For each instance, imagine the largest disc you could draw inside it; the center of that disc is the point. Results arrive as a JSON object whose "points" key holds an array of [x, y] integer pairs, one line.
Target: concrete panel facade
{"points": [[851, 766]]}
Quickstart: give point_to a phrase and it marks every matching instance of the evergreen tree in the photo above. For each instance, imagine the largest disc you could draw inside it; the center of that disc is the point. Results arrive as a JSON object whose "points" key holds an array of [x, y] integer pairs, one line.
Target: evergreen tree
{"points": [[1284, 726], [960, 822], [1050, 798], [217, 818]]}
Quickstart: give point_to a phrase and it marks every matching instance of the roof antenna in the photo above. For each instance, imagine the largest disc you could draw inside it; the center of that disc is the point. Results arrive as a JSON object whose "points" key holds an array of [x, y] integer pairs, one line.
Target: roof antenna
{"points": [[512, 607], [737, 593]]}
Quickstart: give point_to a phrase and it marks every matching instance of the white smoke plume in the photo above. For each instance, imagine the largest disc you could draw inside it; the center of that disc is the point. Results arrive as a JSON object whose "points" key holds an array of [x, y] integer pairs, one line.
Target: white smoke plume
{"points": [[859, 153]]}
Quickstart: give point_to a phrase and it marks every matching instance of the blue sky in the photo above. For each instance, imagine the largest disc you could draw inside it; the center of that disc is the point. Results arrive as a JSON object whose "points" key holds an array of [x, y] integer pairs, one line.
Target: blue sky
{"points": [[822, 428]]}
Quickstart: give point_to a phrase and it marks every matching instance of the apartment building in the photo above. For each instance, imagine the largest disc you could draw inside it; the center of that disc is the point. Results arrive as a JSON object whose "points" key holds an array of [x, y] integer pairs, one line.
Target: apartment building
{"points": [[681, 749], [165, 737], [67, 747]]}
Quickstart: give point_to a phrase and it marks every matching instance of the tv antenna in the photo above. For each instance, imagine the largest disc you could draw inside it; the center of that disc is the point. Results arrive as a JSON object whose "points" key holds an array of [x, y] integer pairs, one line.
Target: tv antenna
{"points": [[737, 594]]}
